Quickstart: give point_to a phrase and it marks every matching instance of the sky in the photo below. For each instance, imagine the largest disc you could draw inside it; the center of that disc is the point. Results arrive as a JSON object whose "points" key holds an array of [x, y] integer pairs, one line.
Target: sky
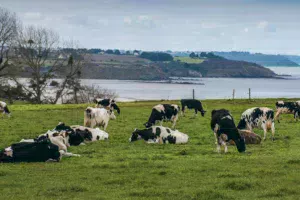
{"points": [[266, 26]]}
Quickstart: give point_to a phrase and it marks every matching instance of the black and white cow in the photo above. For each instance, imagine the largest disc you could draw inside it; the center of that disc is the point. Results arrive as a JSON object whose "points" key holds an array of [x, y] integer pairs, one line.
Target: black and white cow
{"points": [[163, 112], [96, 133], [224, 129], [108, 104], [4, 108], [41, 151], [159, 134], [192, 104], [258, 118], [287, 108]]}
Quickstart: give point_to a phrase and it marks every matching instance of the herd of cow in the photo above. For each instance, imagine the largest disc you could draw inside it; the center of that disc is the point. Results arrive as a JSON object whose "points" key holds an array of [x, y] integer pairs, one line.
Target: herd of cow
{"points": [[52, 145]]}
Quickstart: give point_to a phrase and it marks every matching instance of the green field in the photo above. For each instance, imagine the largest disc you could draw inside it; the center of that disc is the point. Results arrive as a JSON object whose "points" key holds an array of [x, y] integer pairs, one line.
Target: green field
{"points": [[188, 60], [117, 169]]}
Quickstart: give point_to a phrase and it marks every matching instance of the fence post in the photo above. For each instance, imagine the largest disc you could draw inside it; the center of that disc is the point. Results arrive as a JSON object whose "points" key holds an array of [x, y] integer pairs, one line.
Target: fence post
{"points": [[233, 94], [249, 93], [193, 93]]}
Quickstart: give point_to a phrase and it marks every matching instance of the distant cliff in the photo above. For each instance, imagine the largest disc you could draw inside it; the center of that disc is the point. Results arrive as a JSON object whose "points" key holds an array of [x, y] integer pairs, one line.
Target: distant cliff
{"points": [[258, 58]]}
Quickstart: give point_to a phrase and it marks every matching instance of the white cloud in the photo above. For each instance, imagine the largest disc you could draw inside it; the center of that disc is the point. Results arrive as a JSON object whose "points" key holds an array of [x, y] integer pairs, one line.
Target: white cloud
{"points": [[246, 30]]}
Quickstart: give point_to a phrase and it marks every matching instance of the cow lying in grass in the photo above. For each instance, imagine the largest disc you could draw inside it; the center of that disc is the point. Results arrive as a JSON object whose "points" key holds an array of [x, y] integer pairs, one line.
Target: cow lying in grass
{"points": [[163, 112], [159, 134], [287, 108], [224, 129], [40, 151], [109, 104], [192, 104], [98, 117], [60, 139], [258, 118], [97, 134], [250, 137], [4, 108]]}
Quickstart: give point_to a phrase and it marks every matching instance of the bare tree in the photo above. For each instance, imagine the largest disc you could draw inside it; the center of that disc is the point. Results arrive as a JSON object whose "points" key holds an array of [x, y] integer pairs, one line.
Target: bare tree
{"points": [[72, 71], [41, 58], [36, 50], [8, 32]]}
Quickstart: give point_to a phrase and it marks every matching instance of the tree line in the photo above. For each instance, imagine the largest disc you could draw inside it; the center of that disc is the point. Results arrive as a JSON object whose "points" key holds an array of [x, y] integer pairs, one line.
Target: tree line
{"points": [[205, 55]]}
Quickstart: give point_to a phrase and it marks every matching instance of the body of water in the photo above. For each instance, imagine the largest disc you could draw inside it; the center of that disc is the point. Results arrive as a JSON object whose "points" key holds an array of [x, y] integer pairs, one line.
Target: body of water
{"points": [[205, 88], [213, 88]]}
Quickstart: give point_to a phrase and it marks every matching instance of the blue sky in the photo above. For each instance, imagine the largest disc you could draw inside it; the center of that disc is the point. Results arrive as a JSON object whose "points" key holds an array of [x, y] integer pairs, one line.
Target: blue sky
{"points": [[267, 26]]}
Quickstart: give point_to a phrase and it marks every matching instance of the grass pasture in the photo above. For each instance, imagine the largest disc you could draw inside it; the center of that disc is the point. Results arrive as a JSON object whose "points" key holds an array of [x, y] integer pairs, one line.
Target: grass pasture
{"points": [[117, 169], [188, 60]]}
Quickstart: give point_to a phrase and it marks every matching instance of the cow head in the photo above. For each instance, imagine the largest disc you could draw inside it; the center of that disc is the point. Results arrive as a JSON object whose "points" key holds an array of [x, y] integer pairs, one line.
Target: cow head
{"points": [[202, 112], [88, 112], [112, 115], [115, 107], [242, 124], [148, 124], [240, 144], [66, 136], [135, 136], [101, 135]]}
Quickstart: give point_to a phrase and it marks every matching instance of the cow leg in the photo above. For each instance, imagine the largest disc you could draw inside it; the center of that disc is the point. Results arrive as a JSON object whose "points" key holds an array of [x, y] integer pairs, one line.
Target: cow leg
{"points": [[264, 127], [273, 129], [105, 125], [296, 116], [196, 111], [68, 154], [174, 121], [217, 142], [183, 111], [225, 146], [277, 115]]}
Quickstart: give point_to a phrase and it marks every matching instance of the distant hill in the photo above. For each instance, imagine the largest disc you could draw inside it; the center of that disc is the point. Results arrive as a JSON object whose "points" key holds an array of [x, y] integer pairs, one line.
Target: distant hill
{"points": [[293, 58], [259, 58], [134, 68]]}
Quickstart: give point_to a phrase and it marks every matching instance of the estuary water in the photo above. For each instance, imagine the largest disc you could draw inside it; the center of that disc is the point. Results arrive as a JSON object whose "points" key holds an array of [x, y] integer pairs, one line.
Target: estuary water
{"points": [[207, 88]]}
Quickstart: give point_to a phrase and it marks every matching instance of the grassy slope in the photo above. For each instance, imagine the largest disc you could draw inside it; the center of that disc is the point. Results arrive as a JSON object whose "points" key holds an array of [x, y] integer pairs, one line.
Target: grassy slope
{"points": [[188, 60], [116, 169]]}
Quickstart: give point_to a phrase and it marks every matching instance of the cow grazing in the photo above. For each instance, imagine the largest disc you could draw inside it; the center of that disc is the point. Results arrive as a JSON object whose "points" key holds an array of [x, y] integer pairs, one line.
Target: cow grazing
{"points": [[4, 108], [98, 117], [163, 112], [258, 118], [224, 129], [287, 108], [107, 103], [192, 104], [159, 134], [40, 151], [97, 134]]}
